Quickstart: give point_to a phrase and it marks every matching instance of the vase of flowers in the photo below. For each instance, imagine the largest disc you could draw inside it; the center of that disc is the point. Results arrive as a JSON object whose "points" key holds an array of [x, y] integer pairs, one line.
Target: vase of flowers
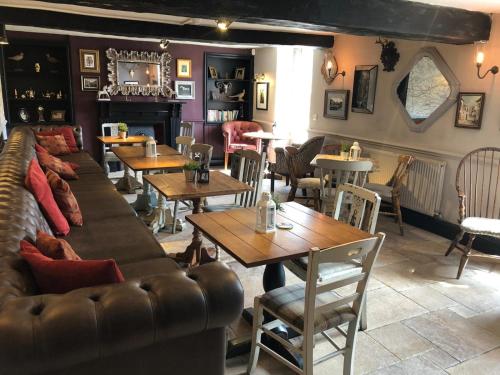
{"points": [[122, 130], [190, 169]]}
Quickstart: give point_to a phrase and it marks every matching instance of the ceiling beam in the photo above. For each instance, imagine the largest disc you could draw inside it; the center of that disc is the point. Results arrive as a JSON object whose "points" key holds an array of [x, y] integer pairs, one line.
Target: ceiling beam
{"points": [[144, 29], [394, 18]]}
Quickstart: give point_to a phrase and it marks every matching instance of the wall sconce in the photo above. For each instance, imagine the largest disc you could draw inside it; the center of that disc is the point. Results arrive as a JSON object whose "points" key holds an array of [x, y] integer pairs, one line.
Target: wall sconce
{"points": [[260, 77], [480, 60], [329, 69], [3, 35], [223, 24]]}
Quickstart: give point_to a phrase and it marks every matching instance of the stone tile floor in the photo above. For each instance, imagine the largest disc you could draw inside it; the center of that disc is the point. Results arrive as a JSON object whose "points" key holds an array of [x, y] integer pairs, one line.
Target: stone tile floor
{"points": [[421, 320]]}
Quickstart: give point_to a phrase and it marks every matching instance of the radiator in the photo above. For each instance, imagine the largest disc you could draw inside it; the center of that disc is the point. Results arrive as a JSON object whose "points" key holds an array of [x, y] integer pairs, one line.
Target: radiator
{"points": [[423, 189]]}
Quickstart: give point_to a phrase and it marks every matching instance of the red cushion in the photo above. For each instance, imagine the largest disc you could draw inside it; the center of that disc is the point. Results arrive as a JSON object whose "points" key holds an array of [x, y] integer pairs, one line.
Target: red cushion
{"points": [[68, 135], [55, 248], [54, 144], [65, 169], [37, 183], [64, 198], [61, 276], [40, 149]]}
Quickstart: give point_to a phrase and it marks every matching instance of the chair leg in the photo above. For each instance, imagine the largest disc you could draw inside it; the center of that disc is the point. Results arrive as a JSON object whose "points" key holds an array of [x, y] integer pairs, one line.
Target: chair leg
{"points": [[304, 192], [350, 347], [291, 194], [363, 323], [465, 257], [455, 242], [174, 216], [226, 159], [258, 318], [397, 211], [287, 180], [317, 201], [272, 182]]}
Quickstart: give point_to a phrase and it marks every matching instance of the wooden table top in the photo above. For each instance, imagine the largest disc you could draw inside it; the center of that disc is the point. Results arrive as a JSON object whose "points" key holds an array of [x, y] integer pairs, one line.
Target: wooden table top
{"points": [[234, 231], [174, 186], [333, 157], [115, 140], [133, 157], [263, 135]]}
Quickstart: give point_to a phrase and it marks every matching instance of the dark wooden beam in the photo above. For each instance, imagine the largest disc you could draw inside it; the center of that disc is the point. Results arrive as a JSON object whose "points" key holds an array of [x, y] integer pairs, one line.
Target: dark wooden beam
{"points": [[143, 29], [394, 18]]}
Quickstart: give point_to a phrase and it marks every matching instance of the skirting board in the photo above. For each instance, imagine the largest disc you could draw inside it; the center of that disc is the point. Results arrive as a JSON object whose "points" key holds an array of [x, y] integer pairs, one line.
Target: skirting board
{"points": [[487, 245]]}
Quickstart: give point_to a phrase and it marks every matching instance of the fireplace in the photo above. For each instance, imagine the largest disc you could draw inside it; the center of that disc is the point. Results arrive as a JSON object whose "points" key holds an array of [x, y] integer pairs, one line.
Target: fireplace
{"points": [[160, 119]]}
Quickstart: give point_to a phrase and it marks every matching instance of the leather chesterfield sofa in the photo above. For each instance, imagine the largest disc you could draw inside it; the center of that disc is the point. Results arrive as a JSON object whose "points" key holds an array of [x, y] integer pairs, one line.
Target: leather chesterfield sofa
{"points": [[161, 320]]}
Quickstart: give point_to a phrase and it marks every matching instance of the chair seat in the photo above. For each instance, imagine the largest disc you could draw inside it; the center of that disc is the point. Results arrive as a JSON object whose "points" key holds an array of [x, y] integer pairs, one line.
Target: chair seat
{"points": [[288, 303], [241, 146], [329, 270], [309, 183], [480, 225], [220, 207], [384, 191]]}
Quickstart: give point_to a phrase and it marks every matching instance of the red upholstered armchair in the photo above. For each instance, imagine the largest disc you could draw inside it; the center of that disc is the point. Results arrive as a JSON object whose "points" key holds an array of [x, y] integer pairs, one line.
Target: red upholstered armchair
{"points": [[234, 140]]}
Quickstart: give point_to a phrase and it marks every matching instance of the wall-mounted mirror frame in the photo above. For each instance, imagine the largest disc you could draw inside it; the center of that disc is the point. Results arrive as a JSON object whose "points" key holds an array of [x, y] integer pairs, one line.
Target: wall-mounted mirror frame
{"points": [[163, 59], [438, 60]]}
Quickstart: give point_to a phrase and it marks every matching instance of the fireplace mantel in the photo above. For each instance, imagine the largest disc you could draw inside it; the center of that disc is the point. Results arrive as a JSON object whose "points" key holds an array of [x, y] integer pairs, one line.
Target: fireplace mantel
{"points": [[164, 115]]}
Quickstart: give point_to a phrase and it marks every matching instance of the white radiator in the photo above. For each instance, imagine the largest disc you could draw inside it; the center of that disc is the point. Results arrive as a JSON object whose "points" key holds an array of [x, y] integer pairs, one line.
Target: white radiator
{"points": [[423, 190]]}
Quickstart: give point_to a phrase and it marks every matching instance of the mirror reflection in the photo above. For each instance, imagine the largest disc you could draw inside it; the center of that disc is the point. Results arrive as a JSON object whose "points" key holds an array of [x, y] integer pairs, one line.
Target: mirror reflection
{"points": [[423, 90], [138, 73]]}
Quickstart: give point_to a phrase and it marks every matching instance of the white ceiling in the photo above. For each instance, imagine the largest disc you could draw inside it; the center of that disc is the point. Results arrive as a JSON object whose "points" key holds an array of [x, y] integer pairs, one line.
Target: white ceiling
{"points": [[487, 6]]}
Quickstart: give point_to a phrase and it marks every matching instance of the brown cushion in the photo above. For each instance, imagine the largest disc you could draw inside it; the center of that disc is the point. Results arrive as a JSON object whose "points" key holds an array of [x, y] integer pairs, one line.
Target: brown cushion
{"points": [[65, 199], [54, 144], [55, 248], [64, 169]]}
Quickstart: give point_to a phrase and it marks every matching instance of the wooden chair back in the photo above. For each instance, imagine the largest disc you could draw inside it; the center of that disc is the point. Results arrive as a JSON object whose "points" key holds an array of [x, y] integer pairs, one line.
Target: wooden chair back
{"points": [[400, 173], [110, 130], [202, 153], [356, 206], [367, 249], [186, 129], [184, 144], [477, 183], [251, 172]]}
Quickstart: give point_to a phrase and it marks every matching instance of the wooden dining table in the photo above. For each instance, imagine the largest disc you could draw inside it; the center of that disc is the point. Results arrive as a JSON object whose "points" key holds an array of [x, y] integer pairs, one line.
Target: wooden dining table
{"points": [[126, 183], [175, 187], [167, 159], [234, 231]]}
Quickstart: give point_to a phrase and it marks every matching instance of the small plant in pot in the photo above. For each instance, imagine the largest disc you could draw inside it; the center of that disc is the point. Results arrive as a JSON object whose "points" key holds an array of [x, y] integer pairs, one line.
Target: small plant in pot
{"points": [[122, 130], [190, 170], [344, 151]]}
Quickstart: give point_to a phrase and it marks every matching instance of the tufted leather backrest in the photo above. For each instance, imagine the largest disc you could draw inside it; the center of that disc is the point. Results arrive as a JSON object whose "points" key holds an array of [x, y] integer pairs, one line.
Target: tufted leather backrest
{"points": [[20, 215], [236, 129], [77, 131]]}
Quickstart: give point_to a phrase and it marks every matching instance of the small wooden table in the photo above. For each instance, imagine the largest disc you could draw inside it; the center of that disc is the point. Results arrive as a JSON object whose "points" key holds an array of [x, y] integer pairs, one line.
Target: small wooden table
{"points": [[168, 158], [127, 183], [234, 231], [332, 157], [174, 186]]}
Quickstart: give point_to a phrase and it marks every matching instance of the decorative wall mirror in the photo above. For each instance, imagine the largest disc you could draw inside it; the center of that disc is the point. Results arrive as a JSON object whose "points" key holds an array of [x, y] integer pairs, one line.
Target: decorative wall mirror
{"points": [[139, 73], [426, 89]]}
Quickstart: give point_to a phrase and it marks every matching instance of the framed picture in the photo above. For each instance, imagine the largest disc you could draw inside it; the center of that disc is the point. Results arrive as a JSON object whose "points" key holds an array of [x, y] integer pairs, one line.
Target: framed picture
{"points": [[261, 97], [336, 104], [184, 89], [91, 83], [213, 72], [239, 73], [364, 88], [58, 115], [89, 61], [184, 68], [469, 110]]}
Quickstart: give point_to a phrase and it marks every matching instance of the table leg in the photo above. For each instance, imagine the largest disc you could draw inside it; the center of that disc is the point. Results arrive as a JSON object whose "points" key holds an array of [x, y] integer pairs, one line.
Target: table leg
{"points": [[193, 251], [147, 200], [127, 183], [159, 216], [273, 176]]}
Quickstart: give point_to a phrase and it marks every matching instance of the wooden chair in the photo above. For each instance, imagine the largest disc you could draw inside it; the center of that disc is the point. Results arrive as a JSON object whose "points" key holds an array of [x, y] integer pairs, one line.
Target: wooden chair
{"points": [[336, 172], [314, 308], [108, 129], [298, 180], [186, 129], [391, 191], [184, 144], [477, 183], [358, 207], [202, 153]]}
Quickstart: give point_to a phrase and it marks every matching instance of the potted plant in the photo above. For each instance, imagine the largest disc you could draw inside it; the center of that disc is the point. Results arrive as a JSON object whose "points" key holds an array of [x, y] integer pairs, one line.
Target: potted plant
{"points": [[344, 151], [122, 130], [190, 170]]}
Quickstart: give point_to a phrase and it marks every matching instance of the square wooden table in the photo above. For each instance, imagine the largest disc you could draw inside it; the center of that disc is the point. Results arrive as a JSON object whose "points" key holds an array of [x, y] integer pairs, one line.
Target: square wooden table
{"points": [[174, 186], [234, 231], [127, 183]]}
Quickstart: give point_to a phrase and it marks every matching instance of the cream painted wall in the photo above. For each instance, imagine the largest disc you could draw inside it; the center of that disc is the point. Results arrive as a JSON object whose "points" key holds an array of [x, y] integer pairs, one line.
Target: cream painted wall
{"points": [[386, 127], [265, 61]]}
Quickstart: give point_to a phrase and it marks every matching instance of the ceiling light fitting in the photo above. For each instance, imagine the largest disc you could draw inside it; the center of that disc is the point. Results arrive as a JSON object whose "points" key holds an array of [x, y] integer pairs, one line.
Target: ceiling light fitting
{"points": [[164, 44], [480, 60], [223, 24]]}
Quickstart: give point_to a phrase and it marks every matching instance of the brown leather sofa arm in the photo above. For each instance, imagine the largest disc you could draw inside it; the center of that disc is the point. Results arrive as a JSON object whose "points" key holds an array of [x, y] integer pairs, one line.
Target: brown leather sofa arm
{"points": [[44, 333]]}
